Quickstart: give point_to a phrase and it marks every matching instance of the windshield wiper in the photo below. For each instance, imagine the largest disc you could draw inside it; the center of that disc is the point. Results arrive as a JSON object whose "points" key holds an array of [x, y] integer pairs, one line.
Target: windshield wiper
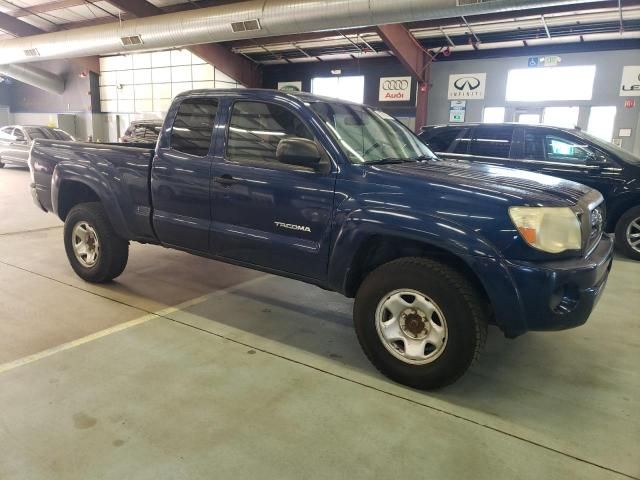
{"points": [[390, 160]]}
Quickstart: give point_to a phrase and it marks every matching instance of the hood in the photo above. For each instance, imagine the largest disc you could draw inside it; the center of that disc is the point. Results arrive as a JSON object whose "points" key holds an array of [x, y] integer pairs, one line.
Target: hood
{"points": [[516, 187]]}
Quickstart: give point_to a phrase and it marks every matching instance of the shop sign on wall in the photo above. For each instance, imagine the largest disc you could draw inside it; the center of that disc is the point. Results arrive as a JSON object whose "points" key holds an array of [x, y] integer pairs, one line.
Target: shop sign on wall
{"points": [[457, 110], [630, 84], [467, 86], [394, 89], [290, 86]]}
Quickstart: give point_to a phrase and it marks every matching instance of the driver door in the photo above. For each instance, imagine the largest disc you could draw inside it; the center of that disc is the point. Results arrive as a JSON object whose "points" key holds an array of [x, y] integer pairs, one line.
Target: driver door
{"points": [[267, 213]]}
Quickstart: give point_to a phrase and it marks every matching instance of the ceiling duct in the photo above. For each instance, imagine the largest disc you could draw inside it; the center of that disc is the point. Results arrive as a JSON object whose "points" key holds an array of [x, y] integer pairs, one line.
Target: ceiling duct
{"points": [[270, 17], [35, 77]]}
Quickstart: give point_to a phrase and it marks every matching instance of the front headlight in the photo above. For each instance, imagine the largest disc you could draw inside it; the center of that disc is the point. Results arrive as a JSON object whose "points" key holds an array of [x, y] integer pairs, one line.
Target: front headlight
{"points": [[551, 229]]}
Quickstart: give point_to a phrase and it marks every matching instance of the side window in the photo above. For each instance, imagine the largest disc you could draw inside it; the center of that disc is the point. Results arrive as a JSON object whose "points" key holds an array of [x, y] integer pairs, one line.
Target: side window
{"points": [[256, 128], [193, 126], [6, 134], [442, 139], [491, 142], [19, 136], [461, 144], [565, 149], [533, 145]]}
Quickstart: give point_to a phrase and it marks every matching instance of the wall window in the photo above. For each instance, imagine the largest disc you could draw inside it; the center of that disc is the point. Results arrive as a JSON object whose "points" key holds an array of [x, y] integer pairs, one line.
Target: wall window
{"points": [[563, 117], [256, 128], [491, 142], [601, 120], [350, 88], [147, 82], [548, 84], [493, 115], [193, 126]]}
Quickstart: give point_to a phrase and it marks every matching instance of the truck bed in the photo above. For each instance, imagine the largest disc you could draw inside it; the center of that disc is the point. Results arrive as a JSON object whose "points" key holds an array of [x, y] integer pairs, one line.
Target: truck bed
{"points": [[117, 171]]}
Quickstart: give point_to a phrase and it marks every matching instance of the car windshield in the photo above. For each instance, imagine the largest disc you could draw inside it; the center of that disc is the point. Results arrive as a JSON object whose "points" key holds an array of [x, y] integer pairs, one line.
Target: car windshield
{"points": [[625, 156], [47, 133], [369, 135]]}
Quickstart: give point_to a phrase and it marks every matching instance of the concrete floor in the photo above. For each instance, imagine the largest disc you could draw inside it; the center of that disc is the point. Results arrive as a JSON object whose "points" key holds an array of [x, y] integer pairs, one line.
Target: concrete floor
{"points": [[187, 368]]}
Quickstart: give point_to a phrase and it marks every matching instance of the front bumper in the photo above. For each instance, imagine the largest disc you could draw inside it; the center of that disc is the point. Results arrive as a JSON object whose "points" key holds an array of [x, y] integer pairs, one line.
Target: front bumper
{"points": [[561, 294]]}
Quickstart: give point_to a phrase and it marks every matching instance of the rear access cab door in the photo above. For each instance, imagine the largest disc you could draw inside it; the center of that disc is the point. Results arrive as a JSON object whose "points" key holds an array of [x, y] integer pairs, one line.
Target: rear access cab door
{"points": [[265, 212]]}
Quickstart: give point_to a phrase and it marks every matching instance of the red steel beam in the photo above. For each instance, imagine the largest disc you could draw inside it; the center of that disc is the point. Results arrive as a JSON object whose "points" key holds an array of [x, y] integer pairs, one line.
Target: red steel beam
{"points": [[414, 58]]}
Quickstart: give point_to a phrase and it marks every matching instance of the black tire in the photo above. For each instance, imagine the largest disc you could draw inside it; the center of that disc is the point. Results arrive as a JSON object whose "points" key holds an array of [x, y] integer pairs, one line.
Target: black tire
{"points": [[631, 216], [113, 253], [462, 305], [1, 164]]}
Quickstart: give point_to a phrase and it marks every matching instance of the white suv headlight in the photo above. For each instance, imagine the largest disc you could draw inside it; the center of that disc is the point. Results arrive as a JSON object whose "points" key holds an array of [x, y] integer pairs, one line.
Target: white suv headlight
{"points": [[551, 229]]}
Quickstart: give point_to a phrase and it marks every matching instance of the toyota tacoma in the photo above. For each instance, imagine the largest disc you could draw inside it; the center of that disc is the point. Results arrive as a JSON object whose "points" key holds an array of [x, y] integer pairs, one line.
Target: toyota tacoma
{"points": [[345, 197]]}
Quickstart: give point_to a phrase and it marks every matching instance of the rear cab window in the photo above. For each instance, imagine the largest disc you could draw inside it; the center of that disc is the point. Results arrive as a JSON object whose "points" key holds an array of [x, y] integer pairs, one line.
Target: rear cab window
{"points": [[192, 129]]}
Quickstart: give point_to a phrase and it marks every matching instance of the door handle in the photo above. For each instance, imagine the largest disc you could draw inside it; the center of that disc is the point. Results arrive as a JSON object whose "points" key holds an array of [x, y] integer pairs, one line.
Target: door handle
{"points": [[225, 180]]}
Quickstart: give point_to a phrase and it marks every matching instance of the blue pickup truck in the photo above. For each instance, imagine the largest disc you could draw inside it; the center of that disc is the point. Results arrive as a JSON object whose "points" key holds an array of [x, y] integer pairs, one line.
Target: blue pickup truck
{"points": [[345, 197]]}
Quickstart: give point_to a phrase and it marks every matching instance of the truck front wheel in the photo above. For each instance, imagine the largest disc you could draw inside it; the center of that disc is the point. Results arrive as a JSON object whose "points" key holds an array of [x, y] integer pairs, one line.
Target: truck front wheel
{"points": [[95, 252], [420, 322]]}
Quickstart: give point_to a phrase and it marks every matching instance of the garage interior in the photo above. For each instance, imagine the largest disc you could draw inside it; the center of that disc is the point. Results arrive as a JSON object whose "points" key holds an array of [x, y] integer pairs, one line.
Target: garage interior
{"points": [[191, 368]]}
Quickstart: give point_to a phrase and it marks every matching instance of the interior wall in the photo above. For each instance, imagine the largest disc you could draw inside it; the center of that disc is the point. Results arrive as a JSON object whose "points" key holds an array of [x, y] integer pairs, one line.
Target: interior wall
{"points": [[608, 63], [372, 69], [605, 89]]}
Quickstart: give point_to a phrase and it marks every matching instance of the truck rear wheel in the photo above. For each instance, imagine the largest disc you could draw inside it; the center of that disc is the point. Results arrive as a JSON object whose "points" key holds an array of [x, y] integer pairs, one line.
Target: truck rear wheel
{"points": [[628, 233], [420, 322], [94, 250]]}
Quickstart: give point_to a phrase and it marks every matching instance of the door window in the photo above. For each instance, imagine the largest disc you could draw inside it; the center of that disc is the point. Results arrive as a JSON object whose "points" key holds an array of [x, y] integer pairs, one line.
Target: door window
{"points": [[534, 145], [6, 134], [255, 130], [491, 142], [442, 140], [566, 149], [18, 135], [193, 126]]}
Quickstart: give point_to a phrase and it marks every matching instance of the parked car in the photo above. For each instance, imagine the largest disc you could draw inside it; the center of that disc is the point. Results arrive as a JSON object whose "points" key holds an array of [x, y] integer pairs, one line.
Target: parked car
{"points": [[142, 131], [16, 140], [570, 154], [342, 196]]}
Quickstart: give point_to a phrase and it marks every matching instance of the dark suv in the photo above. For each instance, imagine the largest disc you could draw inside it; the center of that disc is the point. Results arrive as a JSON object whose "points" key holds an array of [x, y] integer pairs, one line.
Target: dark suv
{"points": [[142, 131], [569, 154]]}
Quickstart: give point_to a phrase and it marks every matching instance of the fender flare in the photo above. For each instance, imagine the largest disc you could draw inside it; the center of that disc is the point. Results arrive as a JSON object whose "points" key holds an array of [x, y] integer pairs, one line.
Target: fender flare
{"points": [[90, 177], [479, 255]]}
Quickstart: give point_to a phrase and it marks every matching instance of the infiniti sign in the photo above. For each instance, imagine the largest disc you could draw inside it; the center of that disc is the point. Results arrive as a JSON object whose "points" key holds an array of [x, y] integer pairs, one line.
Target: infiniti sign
{"points": [[466, 83], [467, 86]]}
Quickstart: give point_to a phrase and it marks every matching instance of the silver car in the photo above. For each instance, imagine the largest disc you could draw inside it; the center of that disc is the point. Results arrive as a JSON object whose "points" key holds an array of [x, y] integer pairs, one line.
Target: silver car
{"points": [[16, 140]]}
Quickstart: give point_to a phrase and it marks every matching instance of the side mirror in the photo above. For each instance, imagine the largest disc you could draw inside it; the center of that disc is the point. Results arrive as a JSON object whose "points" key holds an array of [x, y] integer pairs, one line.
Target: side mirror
{"points": [[298, 151]]}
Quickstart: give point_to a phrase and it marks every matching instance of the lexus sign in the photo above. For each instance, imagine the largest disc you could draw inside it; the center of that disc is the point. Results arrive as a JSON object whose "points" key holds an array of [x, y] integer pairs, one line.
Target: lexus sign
{"points": [[467, 86], [630, 85], [395, 89]]}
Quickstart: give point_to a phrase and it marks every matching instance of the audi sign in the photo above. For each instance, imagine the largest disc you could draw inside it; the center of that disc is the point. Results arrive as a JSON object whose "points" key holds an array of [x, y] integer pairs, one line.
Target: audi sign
{"points": [[467, 86], [395, 89]]}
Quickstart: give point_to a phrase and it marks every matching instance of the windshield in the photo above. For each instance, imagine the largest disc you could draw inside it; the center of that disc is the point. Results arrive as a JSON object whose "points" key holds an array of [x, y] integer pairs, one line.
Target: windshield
{"points": [[48, 133], [611, 147], [370, 136]]}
